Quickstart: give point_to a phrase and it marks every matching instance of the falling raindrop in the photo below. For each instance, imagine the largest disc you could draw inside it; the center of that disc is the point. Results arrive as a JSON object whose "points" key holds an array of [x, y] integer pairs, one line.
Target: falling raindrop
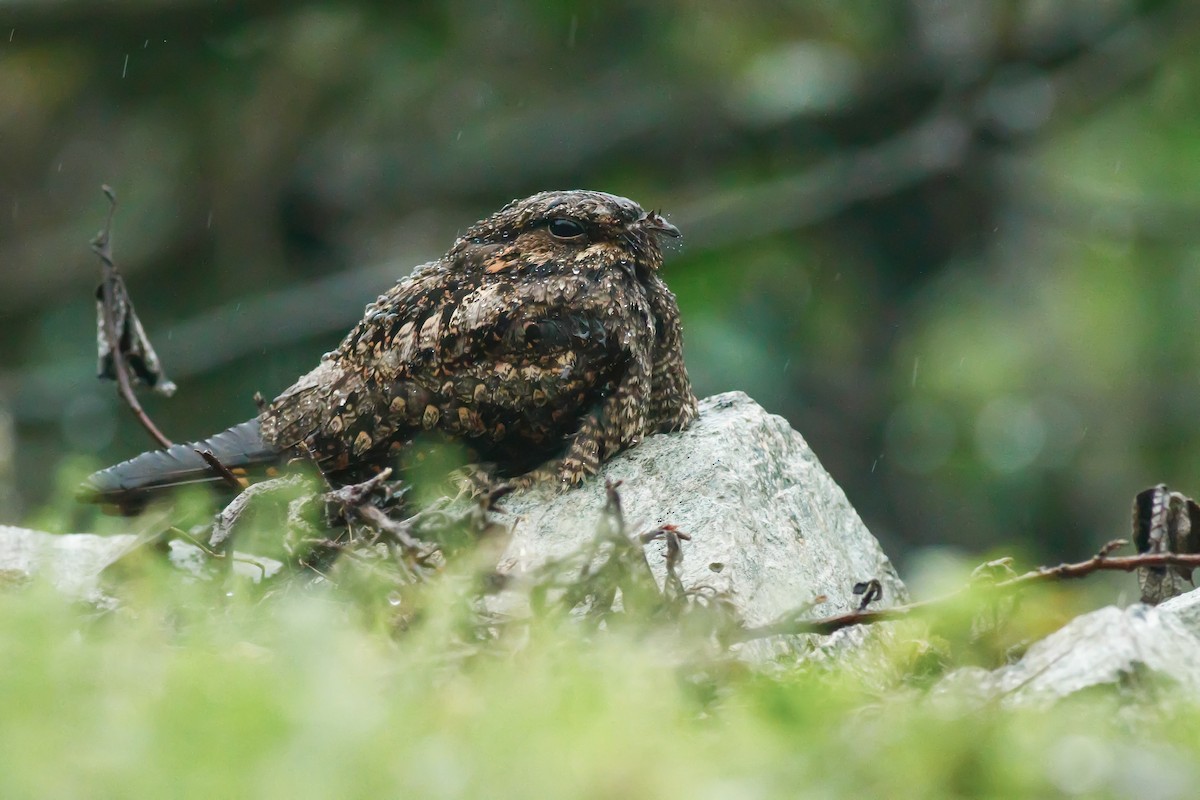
{"points": [[572, 31]]}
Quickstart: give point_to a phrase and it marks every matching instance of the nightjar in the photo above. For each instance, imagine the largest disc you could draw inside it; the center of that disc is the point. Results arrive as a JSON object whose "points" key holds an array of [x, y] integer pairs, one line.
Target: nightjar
{"points": [[545, 340]]}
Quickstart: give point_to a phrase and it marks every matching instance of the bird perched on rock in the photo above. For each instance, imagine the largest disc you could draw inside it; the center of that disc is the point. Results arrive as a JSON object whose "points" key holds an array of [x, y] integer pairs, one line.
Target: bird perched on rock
{"points": [[545, 340]]}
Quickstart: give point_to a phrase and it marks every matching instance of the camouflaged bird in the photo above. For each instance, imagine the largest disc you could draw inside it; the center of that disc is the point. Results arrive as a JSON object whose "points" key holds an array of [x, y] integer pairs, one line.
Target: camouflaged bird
{"points": [[544, 339]]}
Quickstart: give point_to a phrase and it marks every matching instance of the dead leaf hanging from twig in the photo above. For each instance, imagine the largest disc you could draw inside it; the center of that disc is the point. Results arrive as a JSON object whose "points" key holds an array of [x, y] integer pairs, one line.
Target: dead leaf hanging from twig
{"points": [[125, 354], [131, 343]]}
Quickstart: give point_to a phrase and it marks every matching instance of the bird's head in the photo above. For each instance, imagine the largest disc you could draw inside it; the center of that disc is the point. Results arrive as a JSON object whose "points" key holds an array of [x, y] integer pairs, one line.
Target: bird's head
{"points": [[574, 230]]}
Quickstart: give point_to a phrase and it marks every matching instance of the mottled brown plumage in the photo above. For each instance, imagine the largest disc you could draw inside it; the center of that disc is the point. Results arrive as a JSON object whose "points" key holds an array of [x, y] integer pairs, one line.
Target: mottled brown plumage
{"points": [[545, 339]]}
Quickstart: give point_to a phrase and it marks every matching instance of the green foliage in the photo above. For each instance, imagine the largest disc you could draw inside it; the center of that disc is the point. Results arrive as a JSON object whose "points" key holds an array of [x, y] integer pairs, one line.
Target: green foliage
{"points": [[300, 695]]}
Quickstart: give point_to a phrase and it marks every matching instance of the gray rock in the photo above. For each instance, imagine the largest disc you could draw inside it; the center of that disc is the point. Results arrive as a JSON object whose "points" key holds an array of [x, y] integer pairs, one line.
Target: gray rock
{"points": [[1111, 646], [769, 526], [71, 562], [1185, 608]]}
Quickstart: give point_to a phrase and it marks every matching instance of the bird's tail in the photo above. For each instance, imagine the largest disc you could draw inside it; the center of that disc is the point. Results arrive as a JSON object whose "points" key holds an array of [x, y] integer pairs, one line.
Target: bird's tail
{"points": [[131, 483]]}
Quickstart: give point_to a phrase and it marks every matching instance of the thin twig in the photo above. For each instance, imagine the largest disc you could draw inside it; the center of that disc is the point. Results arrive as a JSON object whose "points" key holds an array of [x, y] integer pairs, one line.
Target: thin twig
{"points": [[227, 518], [233, 481], [354, 500], [612, 518], [208, 551], [102, 247], [247, 560], [313, 456], [374, 517], [1101, 562], [674, 539]]}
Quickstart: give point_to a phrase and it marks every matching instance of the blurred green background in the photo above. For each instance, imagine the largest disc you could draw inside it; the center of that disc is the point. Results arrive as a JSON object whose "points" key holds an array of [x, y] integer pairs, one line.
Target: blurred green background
{"points": [[954, 243]]}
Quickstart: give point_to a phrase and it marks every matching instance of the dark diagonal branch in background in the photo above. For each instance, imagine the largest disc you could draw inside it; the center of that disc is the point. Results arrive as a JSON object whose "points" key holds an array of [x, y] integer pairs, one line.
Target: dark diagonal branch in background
{"points": [[121, 333]]}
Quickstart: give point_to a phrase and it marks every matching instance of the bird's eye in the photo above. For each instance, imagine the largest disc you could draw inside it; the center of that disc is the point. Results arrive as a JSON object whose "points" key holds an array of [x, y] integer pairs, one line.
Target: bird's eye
{"points": [[563, 228]]}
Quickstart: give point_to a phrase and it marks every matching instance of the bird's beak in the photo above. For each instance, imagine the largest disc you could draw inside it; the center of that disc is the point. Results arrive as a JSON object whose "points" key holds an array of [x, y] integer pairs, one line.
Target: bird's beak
{"points": [[653, 221]]}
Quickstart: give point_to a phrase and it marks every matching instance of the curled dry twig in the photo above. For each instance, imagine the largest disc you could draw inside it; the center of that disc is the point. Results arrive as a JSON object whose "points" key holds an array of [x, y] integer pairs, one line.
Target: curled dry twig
{"points": [[674, 539], [871, 592], [227, 518]]}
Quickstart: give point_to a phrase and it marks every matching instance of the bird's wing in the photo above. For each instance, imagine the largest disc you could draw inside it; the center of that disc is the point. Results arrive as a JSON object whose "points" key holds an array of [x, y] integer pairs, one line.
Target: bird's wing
{"points": [[468, 355]]}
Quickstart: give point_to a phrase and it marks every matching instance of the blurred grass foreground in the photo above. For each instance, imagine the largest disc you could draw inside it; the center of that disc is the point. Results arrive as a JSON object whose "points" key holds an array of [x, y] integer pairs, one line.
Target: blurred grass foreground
{"points": [[203, 691], [207, 691]]}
